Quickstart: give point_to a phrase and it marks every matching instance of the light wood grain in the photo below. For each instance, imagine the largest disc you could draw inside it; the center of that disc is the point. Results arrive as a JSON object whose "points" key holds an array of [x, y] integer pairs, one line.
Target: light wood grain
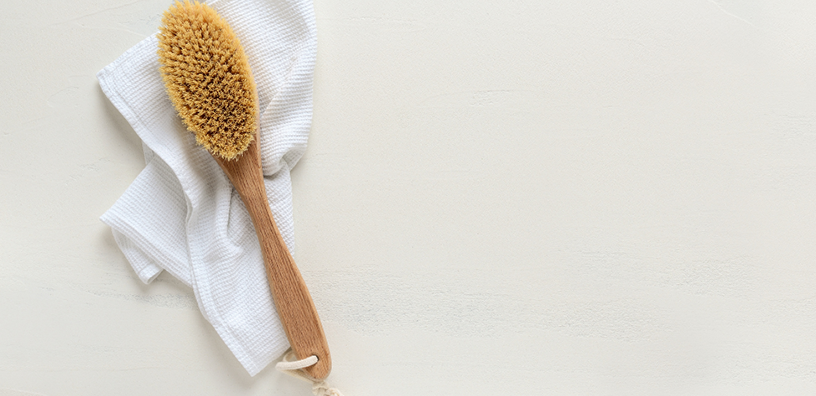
{"points": [[292, 299]]}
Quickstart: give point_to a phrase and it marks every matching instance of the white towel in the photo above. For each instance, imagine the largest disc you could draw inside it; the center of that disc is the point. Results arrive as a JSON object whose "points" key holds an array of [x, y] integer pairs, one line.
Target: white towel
{"points": [[181, 214]]}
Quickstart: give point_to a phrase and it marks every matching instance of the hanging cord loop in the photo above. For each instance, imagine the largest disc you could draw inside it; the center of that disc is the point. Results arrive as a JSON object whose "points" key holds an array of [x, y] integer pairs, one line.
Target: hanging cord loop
{"points": [[294, 368]]}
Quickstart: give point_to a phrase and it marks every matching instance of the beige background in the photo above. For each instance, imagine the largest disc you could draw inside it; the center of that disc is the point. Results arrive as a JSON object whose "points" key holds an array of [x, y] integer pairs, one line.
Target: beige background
{"points": [[498, 198]]}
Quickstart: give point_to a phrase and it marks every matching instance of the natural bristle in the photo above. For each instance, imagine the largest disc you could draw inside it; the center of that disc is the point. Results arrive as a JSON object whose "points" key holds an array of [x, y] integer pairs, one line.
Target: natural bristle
{"points": [[208, 78]]}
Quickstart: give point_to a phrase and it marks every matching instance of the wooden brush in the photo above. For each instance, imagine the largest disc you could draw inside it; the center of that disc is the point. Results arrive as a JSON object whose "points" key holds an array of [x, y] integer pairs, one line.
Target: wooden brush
{"points": [[209, 81]]}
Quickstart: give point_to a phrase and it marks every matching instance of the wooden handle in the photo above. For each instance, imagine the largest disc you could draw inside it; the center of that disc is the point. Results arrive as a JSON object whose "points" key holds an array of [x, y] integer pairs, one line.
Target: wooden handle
{"points": [[292, 299]]}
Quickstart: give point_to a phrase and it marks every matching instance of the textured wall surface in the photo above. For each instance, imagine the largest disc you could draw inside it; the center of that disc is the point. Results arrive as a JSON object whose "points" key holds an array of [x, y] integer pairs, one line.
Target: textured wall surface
{"points": [[498, 198]]}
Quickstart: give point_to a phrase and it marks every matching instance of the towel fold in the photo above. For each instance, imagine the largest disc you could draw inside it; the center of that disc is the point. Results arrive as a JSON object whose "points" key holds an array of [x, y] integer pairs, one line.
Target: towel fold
{"points": [[181, 214]]}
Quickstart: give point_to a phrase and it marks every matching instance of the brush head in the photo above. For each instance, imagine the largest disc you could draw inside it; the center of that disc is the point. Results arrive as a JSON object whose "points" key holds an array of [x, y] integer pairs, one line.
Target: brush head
{"points": [[207, 76]]}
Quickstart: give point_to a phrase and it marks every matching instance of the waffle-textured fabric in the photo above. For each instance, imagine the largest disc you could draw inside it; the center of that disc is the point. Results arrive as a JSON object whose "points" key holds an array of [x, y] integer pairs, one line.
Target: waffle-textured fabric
{"points": [[181, 214]]}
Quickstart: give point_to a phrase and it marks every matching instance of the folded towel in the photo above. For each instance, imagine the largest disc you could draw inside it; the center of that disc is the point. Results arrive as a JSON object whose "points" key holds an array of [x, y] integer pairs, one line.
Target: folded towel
{"points": [[181, 214]]}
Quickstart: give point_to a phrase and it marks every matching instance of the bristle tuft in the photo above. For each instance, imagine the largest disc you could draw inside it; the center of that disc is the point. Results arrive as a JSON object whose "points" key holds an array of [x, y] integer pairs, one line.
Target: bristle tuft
{"points": [[208, 78]]}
